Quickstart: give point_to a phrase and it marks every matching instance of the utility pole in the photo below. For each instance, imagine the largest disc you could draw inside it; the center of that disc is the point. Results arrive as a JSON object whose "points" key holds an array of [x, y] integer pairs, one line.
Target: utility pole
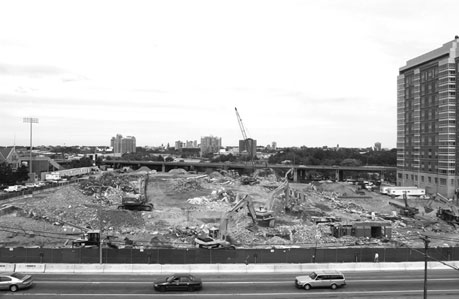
{"points": [[426, 246], [30, 120]]}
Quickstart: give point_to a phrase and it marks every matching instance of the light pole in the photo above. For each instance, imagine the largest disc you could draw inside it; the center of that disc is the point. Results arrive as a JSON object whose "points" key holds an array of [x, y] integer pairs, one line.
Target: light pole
{"points": [[30, 120], [426, 244]]}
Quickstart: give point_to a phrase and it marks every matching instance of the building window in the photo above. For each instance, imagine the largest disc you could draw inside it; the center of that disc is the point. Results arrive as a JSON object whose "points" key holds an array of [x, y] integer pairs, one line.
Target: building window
{"points": [[429, 179], [442, 181], [436, 180], [406, 176]]}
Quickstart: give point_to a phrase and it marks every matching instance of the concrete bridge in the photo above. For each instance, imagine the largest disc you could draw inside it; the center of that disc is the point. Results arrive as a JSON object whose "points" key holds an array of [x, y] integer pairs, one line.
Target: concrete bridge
{"points": [[300, 172]]}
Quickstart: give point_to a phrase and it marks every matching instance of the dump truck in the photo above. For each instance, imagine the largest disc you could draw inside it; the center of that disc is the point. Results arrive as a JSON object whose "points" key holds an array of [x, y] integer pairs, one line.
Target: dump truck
{"points": [[137, 201]]}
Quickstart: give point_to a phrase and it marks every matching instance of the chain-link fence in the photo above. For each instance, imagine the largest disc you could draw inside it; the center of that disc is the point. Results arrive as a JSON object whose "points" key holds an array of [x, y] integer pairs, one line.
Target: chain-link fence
{"points": [[223, 256]]}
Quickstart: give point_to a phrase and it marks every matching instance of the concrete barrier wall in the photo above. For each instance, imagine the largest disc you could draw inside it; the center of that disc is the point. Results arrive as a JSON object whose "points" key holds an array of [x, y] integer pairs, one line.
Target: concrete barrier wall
{"points": [[60, 268], [7, 267], [146, 268], [89, 268], [219, 268], [30, 268]]}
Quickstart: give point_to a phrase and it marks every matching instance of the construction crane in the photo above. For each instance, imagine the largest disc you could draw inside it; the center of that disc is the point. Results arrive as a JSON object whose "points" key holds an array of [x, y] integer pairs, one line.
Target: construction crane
{"points": [[244, 136]]}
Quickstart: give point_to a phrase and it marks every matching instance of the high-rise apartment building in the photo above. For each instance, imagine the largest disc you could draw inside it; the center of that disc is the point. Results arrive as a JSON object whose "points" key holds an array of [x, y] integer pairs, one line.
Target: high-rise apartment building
{"points": [[122, 145], [210, 145], [427, 151]]}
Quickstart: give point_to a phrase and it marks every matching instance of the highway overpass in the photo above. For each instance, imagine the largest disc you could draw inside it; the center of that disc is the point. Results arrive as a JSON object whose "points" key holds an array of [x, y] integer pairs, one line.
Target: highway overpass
{"points": [[300, 173]]}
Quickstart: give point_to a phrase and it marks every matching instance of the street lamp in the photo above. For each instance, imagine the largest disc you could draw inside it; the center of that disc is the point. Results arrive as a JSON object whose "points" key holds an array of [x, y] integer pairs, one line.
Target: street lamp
{"points": [[30, 120]]}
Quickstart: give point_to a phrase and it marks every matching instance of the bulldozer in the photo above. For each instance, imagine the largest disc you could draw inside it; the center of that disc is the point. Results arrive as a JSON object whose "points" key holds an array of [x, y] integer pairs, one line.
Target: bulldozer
{"points": [[90, 238], [137, 201]]}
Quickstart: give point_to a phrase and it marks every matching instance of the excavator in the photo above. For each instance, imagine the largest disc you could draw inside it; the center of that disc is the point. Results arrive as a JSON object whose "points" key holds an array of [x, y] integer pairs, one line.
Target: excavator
{"points": [[221, 238], [406, 210], [450, 214], [137, 201], [264, 214]]}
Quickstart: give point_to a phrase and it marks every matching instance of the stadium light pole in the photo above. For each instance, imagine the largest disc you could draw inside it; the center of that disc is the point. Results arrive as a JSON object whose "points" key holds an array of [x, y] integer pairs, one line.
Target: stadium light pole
{"points": [[30, 120]]}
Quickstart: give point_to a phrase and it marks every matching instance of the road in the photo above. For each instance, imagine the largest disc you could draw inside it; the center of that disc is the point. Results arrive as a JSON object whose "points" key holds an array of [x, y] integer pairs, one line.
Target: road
{"points": [[388, 284]]}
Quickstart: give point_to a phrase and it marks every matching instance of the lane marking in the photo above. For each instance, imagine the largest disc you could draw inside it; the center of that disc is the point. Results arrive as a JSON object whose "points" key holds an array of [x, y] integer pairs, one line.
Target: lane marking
{"points": [[130, 295], [244, 282]]}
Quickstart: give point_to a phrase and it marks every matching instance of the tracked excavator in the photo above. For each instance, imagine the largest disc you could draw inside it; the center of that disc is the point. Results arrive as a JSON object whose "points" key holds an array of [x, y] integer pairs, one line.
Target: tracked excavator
{"points": [[265, 214], [406, 210], [137, 201], [221, 239]]}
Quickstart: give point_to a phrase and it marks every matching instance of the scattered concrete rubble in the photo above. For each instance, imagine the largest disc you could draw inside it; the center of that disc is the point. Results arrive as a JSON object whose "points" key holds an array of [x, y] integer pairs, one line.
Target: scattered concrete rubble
{"points": [[187, 204]]}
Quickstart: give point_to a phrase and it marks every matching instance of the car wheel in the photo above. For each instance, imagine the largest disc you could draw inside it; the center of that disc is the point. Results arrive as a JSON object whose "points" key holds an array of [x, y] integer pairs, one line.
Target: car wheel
{"points": [[14, 288], [334, 286], [307, 286], [162, 288], [190, 289]]}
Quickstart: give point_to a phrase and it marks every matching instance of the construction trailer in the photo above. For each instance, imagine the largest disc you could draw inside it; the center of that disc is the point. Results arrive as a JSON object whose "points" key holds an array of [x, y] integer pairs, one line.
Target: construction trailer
{"points": [[368, 229], [409, 191]]}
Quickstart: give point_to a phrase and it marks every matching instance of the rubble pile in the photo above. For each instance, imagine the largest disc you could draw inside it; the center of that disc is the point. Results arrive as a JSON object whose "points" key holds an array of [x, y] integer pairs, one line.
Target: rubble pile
{"points": [[184, 185]]}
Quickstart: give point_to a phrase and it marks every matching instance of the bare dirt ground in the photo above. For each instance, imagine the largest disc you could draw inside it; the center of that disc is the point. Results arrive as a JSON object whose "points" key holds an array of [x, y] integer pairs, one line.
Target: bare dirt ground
{"points": [[185, 204]]}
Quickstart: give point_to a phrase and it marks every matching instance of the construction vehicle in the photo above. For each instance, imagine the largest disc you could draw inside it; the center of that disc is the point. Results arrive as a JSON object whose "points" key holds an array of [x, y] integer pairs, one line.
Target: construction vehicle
{"points": [[406, 210], [137, 201], [217, 239], [264, 214], [450, 215], [90, 238]]}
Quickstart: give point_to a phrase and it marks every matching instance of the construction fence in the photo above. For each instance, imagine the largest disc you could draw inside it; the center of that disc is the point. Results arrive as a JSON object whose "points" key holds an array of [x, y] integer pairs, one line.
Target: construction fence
{"points": [[223, 256]]}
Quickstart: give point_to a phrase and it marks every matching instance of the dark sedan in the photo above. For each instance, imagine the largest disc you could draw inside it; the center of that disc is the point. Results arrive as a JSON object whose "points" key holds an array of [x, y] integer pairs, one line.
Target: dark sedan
{"points": [[178, 282]]}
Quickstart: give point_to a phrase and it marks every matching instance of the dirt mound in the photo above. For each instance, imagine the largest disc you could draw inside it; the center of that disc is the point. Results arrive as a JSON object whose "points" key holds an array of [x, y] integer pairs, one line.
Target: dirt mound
{"points": [[178, 171]]}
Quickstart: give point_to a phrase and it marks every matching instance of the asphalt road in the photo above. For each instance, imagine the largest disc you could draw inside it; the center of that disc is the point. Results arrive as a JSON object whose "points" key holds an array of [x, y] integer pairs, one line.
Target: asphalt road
{"points": [[441, 284]]}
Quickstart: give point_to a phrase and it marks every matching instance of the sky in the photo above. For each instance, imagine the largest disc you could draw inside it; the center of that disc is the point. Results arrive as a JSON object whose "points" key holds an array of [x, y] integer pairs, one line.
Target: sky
{"points": [[301, 73]]}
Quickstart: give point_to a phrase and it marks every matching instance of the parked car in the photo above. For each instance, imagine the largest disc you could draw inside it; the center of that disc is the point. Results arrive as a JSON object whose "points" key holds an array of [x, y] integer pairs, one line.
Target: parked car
{"points": [[178, 282], [14, 188], [325, 279], [14, 281]]}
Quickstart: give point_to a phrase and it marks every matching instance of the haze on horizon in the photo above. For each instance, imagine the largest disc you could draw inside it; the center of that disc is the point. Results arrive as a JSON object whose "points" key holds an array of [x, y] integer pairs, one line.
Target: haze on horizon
{"points": [[307, 73]]}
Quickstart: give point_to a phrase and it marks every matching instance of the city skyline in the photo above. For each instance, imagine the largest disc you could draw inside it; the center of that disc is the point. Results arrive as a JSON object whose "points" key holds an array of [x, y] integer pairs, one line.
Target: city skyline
{"points": [[300, 73]]}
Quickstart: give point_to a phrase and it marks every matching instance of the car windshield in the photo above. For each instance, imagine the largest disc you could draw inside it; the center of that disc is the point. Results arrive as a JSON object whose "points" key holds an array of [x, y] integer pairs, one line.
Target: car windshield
{"points": [[18, 275], [313, 275], [170, 278]]}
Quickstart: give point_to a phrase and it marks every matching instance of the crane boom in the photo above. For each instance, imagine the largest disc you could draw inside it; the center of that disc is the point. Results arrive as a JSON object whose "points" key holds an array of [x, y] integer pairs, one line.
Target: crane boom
{"points": [[241, 125]]}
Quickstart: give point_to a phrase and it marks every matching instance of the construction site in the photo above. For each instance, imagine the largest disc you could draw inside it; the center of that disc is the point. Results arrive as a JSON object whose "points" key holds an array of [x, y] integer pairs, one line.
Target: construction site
{"points": [[222, 209]]}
